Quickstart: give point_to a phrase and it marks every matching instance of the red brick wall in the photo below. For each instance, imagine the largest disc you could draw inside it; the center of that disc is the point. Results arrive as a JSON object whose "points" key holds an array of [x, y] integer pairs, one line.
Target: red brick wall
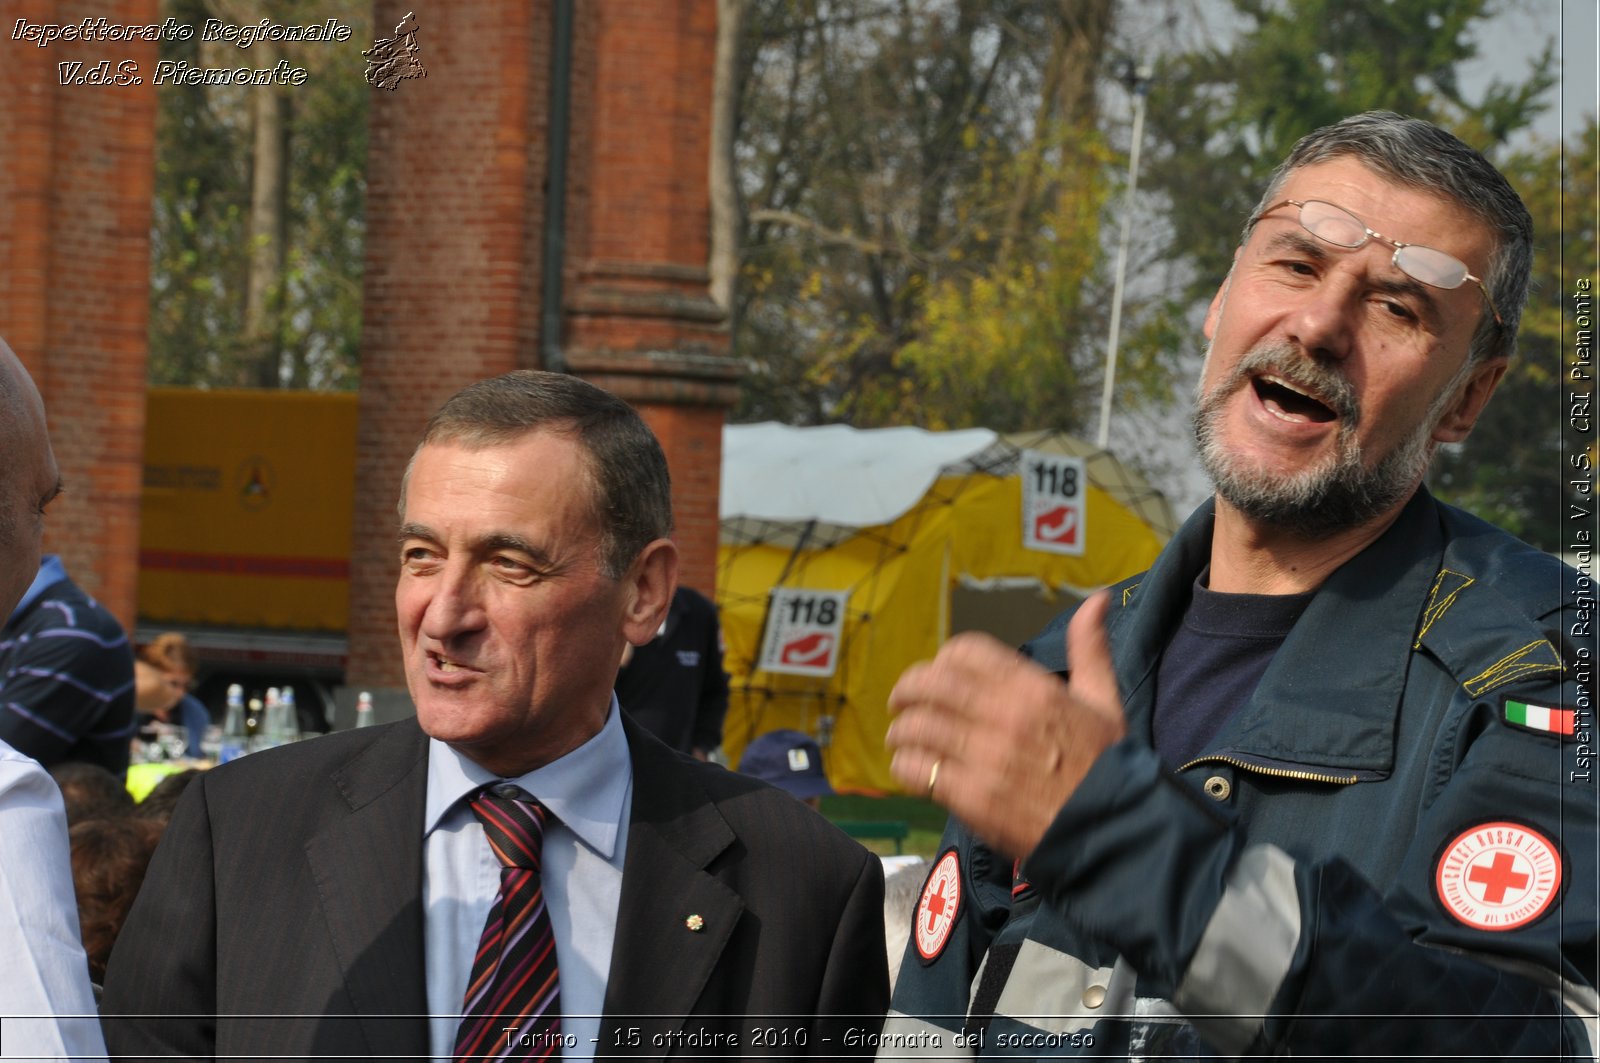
{"points": [[455, 225], [692, 438], [455, 170], [456, 175], [640, 318], [76, 179]]}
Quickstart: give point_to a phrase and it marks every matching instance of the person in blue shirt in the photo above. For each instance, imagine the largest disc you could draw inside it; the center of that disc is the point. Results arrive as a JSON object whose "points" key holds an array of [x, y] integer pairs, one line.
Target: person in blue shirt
{"points": [[66, 676]]}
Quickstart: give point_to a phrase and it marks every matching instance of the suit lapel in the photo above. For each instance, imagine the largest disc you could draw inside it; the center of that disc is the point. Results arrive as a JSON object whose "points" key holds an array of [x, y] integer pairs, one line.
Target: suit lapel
{"points": [[660, 965], [368, 870]]}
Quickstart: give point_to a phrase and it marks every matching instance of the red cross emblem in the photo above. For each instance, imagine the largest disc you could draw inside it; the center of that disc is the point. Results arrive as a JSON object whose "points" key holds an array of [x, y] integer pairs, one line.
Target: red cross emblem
{"points": [[1498, 876], [938, 907]]}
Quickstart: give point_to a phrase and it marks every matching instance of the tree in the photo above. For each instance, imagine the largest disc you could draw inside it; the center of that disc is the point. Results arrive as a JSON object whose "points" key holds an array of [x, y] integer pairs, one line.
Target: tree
{"points": [[921, 190], [1509, 469], [1223, 116], [256, 251]]}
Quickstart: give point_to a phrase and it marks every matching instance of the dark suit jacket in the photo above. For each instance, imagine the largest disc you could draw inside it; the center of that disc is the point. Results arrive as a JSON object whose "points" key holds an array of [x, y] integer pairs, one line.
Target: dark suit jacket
{"points": [[282, 914]]}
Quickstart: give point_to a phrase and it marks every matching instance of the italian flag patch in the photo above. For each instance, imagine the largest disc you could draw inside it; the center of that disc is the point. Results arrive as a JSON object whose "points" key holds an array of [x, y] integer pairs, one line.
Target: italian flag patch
{"points": [[1539, 717]]}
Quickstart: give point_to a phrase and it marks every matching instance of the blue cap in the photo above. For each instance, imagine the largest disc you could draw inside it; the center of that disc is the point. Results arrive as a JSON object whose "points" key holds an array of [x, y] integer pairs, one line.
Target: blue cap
{"points": [[788, 760]]}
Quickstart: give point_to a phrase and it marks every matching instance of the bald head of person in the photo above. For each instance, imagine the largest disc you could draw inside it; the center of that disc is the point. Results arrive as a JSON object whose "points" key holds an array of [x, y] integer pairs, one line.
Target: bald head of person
{"points": [[29, 479]]}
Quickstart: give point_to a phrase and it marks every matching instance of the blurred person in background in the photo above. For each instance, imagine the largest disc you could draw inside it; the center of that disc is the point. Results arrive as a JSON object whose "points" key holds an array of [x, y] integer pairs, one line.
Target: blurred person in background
{"points": [[164, 671], [89, 791], [789, 760], [109, 859], [674, 685], [66, 676]]}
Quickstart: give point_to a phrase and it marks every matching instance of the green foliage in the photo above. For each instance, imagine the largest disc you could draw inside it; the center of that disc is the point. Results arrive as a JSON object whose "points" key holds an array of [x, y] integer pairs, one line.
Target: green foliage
{"points": [[200, 246], [1295, 66], [1509, 470], [994, 347], [923, 189]]}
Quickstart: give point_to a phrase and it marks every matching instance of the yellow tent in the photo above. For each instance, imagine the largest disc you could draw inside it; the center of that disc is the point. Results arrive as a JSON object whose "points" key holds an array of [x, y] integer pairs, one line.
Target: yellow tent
{"points": [[847, 554]]}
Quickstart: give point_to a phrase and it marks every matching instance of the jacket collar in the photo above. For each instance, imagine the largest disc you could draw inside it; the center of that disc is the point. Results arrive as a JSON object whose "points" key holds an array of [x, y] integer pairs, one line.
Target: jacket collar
{"points": [[660, 964], [1295, 720], [368, 870]]}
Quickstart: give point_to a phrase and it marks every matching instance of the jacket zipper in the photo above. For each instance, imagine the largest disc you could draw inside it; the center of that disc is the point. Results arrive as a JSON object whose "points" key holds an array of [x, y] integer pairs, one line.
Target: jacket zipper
{"points": [[1282, 773]]}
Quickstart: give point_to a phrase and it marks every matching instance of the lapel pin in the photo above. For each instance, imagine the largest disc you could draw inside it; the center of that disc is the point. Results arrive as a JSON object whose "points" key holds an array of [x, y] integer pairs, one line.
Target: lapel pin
{"points": [[695, 923]]}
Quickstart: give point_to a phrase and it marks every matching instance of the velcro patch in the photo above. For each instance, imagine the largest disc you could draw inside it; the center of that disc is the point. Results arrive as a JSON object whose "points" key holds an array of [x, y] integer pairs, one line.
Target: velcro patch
{"points": [[1498, 876], [938, 907]]}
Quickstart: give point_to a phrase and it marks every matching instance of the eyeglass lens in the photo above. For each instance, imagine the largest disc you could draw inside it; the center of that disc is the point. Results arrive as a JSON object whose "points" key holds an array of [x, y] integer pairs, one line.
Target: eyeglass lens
{"points": [[1339, 227]]}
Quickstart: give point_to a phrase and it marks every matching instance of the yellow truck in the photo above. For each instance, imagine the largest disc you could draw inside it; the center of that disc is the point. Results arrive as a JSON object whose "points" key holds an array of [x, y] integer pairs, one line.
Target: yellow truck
{"points": [[244, 540]]}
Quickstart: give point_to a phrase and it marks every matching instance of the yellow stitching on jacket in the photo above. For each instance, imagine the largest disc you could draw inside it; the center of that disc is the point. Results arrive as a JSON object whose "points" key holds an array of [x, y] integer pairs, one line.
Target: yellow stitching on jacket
{"points": [[1437, 606], [1512, 667], [1127, 592]]}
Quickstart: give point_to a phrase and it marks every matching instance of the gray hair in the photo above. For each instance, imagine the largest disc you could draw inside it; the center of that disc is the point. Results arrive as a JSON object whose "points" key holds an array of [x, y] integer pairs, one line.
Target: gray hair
{"points": [[632, 494], [1420, 155]]}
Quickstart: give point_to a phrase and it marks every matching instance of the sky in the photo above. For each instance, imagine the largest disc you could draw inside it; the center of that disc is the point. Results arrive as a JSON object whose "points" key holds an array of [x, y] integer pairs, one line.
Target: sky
{"points": [[1509, 42]]}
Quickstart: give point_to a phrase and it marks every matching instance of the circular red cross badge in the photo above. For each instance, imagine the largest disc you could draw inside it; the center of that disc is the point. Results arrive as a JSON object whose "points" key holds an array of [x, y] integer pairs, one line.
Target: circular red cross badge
{"points": [[1498, 876], [938, 907]]}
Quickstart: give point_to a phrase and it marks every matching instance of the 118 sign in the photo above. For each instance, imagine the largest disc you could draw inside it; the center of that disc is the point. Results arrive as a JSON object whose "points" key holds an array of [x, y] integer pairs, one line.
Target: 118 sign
{"points": [[1053, 496]]}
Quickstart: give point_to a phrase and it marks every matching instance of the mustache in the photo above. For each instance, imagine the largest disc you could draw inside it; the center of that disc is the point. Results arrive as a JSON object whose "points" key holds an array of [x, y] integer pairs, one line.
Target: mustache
{"points": [[1287, 363]]}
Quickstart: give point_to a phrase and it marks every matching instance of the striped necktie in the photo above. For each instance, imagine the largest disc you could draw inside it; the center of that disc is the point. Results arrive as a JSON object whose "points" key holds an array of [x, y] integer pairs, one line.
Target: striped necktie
{"points": [[513, 981]]}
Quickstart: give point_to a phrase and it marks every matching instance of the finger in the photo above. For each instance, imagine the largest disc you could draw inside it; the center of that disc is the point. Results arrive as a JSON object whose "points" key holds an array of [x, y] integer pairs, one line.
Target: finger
{"points": [[913, 769], [913, 687], [1094, 676], [929, 728], [965, 665]]}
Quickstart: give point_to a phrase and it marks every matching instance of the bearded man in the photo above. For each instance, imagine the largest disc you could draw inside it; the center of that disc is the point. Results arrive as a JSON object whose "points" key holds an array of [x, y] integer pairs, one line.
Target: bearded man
{"points": [[1310, 784]]}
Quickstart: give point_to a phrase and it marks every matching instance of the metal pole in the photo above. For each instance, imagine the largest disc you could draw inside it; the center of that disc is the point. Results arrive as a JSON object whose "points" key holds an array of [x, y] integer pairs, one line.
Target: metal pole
{"points": [[1140, 87]]}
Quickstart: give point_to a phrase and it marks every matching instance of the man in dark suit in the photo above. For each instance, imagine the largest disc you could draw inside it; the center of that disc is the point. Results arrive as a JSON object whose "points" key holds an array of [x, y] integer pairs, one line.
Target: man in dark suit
{"points": [[342, 884], [674, 686]]}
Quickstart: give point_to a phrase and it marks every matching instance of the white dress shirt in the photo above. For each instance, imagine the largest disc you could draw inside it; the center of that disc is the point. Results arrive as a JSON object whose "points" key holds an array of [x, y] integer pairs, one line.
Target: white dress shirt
{"points": [[47, 1008], [589, 793]]}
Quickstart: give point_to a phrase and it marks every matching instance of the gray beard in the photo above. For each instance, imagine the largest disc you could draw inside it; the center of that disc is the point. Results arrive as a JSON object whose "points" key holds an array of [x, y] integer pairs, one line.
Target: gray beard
{"points": [[1338, 493]]}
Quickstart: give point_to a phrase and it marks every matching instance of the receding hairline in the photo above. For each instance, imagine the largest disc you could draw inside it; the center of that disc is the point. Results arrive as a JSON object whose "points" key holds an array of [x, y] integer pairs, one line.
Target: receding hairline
{"points": [[475, 438]]}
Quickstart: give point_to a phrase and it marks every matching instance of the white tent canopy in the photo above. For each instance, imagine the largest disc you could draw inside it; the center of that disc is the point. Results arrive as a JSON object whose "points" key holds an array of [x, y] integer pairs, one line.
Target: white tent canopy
{"points": [[820, 484], [836, 474]]}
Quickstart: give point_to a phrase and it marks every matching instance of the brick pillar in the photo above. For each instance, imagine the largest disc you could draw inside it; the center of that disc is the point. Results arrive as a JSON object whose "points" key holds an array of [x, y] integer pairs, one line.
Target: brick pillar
{"points": [[641, 321], [77, 175], [455, 226], [455, 168]]}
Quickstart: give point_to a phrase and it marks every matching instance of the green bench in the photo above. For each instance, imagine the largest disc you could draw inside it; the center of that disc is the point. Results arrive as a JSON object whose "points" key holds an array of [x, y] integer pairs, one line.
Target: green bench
{"points": [[894, 830]]}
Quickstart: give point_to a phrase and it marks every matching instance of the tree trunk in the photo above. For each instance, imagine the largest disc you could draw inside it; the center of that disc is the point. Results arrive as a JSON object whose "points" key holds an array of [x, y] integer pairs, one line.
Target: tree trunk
{"points": [[724, 189], [269, 196]]}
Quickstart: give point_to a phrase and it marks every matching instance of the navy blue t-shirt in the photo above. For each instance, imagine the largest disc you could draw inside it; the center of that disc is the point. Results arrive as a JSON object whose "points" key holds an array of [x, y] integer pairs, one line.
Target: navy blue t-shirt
{"points": [[1214, 662]]}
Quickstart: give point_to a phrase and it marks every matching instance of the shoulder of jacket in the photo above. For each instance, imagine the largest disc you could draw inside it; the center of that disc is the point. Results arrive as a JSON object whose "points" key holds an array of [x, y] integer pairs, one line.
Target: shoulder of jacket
{"points": [[1048, 648], [1531, 581], [1498, 612]]}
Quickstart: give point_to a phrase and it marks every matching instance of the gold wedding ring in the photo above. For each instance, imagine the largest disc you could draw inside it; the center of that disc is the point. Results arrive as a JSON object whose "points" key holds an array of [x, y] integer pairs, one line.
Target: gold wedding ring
{"points": [[933, 776]]}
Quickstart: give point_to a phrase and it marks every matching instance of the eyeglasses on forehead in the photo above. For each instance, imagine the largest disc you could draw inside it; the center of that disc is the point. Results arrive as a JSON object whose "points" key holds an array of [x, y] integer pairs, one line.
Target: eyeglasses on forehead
{"points": [[1334, 225]]}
